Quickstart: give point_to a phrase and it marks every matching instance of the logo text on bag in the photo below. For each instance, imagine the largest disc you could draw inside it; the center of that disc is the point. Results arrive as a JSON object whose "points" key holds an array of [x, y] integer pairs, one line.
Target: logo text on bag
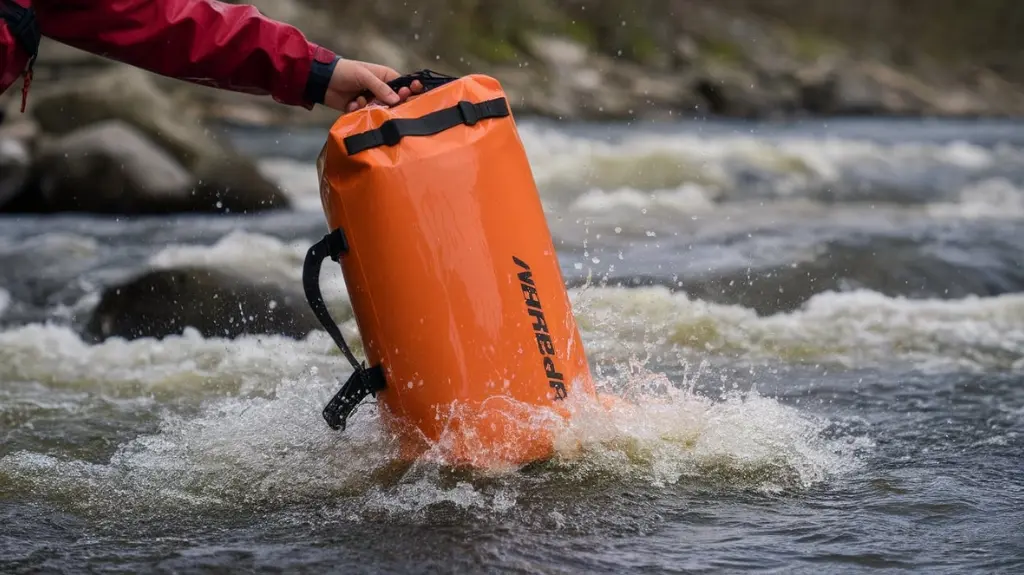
{"points": [[540, 329]]}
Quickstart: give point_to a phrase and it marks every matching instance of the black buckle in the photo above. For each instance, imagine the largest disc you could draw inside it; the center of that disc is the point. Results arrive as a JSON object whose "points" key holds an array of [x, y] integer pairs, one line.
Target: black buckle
{"points": [[468, 112], [389, 133], [337, 244], [362, 383]]}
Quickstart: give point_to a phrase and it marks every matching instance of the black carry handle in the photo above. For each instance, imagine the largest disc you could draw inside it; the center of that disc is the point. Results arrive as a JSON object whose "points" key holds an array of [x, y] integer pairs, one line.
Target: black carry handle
{"points": [[363, 381], [429, 78]]}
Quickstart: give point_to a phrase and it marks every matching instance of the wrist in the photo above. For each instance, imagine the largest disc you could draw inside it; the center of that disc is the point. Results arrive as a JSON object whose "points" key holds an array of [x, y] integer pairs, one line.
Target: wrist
{"points": [[320, 72]]}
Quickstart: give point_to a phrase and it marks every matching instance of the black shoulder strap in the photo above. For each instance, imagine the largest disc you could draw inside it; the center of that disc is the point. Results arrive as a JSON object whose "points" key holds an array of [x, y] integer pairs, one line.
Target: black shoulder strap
{"points": [[363, 381]]}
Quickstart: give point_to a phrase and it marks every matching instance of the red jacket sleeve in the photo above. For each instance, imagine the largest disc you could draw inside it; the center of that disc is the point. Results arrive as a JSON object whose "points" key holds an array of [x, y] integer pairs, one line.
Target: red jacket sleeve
{"points": [[207, 42]]}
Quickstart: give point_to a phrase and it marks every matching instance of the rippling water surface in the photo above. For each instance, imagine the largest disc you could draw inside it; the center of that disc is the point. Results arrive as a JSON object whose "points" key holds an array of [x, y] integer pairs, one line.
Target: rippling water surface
{"points": [[820, 330]]}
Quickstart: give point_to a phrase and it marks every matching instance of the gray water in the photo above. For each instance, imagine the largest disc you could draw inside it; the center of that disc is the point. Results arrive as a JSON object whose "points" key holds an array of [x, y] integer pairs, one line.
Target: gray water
{"points": [[820, 329]]}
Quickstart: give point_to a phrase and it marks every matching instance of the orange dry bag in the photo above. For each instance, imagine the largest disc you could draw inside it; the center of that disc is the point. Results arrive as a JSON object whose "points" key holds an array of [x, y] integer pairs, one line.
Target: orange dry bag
{"points": [[452, 274]]}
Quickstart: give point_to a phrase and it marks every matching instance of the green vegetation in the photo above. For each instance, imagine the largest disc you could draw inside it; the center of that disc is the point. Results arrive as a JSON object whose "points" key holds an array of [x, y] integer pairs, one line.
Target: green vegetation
{"points": [[722, 51], [810, 45], [499, 31], [986, 32], [983, 33]]}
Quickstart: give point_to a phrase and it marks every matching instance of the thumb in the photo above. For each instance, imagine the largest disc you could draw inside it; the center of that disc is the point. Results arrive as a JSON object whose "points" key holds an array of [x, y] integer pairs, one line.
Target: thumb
{"points": [[378, 87]]}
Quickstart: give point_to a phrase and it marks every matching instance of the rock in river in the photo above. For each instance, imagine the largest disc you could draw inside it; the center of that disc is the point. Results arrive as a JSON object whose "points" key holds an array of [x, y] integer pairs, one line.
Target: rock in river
{"points": [[111, 168], [217, 303], [130, 96], [14, 168]]}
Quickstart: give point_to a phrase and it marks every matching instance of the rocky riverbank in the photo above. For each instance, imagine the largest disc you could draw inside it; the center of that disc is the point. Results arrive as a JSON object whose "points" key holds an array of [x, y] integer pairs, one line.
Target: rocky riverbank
{"points": [[592, 59], [115, 142], [104, 137]]}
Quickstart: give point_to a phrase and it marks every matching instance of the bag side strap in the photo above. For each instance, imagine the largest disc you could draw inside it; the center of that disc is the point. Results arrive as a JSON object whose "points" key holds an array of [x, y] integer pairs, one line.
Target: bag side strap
{"points": [[392, 131], [363, 381]]}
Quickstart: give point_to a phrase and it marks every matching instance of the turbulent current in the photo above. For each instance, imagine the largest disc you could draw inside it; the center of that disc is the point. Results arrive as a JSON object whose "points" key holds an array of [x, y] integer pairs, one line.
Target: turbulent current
{"points": [[819, 329]]}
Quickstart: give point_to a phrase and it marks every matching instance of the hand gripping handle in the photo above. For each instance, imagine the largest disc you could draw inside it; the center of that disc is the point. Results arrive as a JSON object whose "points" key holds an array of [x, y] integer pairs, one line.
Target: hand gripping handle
{"points": [[429, 78]]}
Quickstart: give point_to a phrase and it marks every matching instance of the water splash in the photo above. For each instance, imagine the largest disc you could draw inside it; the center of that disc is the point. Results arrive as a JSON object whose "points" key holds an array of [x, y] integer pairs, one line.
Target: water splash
{"points": [[270, 450]]}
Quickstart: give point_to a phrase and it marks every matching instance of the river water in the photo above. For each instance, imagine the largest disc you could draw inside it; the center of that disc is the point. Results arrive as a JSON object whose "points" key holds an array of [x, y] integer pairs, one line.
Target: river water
{"points": [[820, 329]]}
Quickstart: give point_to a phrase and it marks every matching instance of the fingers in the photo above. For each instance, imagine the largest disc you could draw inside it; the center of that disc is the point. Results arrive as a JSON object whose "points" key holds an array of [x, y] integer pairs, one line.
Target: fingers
{"points": [[359, 77], [405, 93], [379, 88], [384, 73], [355, 104]]}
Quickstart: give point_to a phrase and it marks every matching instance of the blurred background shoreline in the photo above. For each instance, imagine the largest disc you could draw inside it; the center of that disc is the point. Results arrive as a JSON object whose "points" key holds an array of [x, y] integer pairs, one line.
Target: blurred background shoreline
{"points": [[755, 63], [602, 60]]}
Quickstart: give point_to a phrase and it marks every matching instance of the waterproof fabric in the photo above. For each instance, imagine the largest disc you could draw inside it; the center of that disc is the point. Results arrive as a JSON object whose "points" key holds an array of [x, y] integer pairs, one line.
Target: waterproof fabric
{"points": [[453, 275], [217, 44]]}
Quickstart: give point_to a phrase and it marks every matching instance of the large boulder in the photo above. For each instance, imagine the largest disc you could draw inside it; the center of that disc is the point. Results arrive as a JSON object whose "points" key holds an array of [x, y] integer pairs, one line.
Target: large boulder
{"points": [[848, 88], [111, 168], [18, 139], [736, 91], [217, 303], [15, 162], [234, 184], [130, 95]]}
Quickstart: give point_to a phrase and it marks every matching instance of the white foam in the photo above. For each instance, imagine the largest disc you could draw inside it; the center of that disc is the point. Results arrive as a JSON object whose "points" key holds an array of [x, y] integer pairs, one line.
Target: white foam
{"points": [[259, 256], [852, 329], [273, 450], [733, 175], [184, 365], [685, 199], [298, 181], [56, 244], [990, 198], [688, 171], [557, 154], [240, 250], [258, 440]]}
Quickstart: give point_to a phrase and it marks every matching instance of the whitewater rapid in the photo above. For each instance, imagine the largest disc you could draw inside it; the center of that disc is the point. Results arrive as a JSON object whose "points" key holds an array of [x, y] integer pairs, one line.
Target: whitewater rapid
{"points": [[815, 333]]}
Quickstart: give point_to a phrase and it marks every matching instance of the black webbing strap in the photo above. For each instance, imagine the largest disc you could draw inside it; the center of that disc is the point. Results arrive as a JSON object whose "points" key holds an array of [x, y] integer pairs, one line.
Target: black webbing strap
{"points": [[24, 27], [428, 78], [363, 381], [392, 131]]}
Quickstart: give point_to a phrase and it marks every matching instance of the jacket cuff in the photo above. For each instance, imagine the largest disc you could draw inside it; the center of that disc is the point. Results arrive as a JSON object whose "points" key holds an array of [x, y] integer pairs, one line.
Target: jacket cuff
{"points": [[320, 71]]}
